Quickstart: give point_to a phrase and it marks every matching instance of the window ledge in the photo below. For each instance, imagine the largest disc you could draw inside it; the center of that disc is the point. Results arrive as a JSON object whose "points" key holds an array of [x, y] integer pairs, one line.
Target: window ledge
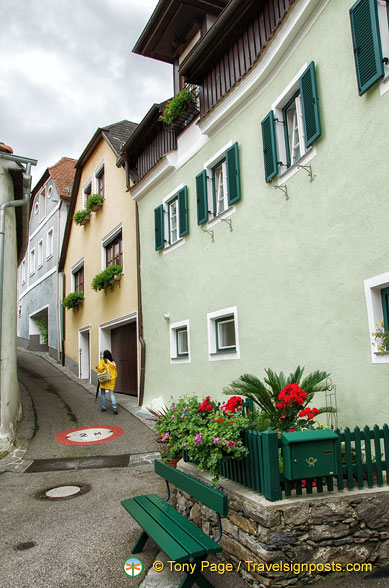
{"points": [[296, 167], [227, 213], [178, 360], [219, 355], [170, 248], [50, 256], [384, 83]]}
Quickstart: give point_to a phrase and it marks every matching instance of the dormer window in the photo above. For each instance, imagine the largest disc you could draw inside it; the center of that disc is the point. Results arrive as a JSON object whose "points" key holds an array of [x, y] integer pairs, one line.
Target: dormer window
{"points": [[100, 181]]}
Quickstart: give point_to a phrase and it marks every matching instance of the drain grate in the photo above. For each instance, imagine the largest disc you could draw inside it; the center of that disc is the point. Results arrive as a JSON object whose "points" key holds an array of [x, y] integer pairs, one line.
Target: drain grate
{"points": [[66, 463], [63, 492]]}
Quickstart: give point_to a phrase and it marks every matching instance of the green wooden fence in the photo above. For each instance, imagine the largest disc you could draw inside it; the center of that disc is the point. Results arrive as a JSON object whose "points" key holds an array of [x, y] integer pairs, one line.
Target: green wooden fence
{"points": [[362, 457]]}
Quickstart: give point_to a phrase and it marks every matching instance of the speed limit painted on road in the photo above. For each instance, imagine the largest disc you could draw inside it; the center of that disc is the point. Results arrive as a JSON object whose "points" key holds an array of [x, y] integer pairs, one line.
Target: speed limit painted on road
{"points": [[89, 435]]}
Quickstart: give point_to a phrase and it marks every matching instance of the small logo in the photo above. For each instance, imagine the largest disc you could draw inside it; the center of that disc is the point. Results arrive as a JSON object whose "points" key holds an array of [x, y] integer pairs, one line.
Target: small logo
{"points": [[133, 567], [311, 461]]}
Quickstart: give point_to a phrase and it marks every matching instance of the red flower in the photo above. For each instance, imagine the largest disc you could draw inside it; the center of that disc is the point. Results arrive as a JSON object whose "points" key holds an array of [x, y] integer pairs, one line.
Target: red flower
{"points": [[315, 411], [291, 431]]}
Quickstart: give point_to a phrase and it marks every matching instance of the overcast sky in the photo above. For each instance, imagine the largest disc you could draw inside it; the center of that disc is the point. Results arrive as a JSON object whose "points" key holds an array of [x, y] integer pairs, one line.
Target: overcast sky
{"points": [[66, 68]]}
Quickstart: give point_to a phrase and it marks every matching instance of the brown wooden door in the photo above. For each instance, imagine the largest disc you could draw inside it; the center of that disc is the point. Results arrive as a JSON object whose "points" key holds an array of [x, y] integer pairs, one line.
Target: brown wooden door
{"points": [[124, 353]]}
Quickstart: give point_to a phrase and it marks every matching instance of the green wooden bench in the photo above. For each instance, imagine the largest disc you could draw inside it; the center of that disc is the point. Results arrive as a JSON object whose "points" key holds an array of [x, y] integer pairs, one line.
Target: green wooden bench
{"points": [[178, 537]]}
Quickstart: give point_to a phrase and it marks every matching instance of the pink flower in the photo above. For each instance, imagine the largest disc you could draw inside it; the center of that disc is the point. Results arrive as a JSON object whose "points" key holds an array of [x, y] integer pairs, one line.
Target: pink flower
{"points": [[198, 438], [231, 443], [282, 416], [216, 440]]}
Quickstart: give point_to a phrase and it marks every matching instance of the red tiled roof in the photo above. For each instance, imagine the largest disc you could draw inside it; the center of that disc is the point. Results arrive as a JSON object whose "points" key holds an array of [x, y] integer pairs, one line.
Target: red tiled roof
{"points": [[5, 148], [63, 175]]}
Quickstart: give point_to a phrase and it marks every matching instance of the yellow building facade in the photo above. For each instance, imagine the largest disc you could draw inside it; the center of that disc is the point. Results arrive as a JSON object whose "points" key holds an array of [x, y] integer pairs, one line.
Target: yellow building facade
{"points": [[106, 318]]}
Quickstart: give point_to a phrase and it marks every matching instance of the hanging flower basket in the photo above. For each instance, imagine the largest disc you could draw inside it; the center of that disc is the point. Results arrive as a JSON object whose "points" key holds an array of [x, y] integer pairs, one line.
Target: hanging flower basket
{"points": [[94, 202], [73, 300], [107, 277], [81, 217]]}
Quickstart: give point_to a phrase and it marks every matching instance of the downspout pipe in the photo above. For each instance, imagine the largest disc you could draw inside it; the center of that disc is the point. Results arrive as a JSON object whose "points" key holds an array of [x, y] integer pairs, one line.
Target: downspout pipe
{"points": [[3, 207], [140, 314]]}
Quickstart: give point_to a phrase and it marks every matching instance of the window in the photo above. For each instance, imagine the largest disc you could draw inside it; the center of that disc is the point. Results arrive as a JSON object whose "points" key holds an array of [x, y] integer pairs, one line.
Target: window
{"points": [[225, 334], [377, 303], [50, 192], [179, 342], [218, 185], [223, 339], [32, 261], [370, 35], [113, 251], [50, 243], [24, 271], [171, 219], [36, 206], [87, 192], [78, 277], [40, 253], [100, 181], [292, 126], [42, 205]]}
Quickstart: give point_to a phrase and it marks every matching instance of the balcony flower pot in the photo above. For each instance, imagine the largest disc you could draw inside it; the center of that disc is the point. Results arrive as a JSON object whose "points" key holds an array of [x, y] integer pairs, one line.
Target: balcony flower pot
{"points": [[73, 300], [107, 277], [81, 217], [94, 202]]}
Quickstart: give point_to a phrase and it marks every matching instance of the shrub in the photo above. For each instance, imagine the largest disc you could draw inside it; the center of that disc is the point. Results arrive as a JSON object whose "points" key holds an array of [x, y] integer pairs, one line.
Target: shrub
{"points": [[73, 300], [104, 278], [177, 106], [283, 402], [93, 200], [80, 216]]}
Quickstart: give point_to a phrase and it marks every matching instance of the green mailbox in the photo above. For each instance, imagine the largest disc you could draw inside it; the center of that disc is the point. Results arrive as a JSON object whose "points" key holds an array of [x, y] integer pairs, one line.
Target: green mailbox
{"points": [[307, 454]]}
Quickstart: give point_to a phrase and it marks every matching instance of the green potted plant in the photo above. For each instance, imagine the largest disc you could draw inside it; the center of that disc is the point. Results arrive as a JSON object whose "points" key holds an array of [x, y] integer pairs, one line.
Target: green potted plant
{"points": [[177, 106], [81, 217], [283, 402], [381, 337], [73, 300], [107, 277], [94, 202]]}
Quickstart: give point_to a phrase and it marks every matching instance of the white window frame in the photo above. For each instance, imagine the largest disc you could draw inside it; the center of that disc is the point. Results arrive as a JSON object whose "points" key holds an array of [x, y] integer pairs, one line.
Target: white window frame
{"points": [[40, 254], [209, 166], [49, 191], [50, 243], [85, 195], [212, 317], [24, 271], [75, 268], [42, 205], [384, 33], [32, 261], [99, 170], [305, 154], [174, 357], [373, 287], [173, 195], [36, 205], [105, 241]]}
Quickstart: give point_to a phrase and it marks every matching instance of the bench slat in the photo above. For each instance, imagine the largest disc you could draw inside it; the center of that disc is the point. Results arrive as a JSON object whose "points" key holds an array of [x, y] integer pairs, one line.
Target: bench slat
{"points": [[206, 542], [208, 496], [180, 535], [161, 537]]}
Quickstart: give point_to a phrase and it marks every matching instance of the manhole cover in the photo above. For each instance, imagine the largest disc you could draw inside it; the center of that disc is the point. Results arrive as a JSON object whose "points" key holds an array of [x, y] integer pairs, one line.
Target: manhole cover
{"points": [[25, 545], [63, 492]]}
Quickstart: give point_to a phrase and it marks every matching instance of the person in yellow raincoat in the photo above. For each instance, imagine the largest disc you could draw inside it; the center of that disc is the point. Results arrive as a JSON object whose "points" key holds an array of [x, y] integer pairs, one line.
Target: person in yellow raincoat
{"points": [[109, 386]]}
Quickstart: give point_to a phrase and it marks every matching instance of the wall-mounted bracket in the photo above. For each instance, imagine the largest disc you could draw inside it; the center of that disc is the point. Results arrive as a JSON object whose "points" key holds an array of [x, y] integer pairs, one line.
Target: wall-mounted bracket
{"points": [[308, 169], [210, 233], [228, 221], [284, 189]]}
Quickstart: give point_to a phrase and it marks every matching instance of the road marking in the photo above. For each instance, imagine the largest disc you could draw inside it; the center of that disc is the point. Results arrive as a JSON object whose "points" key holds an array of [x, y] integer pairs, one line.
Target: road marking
{"points": [[89, 435]]}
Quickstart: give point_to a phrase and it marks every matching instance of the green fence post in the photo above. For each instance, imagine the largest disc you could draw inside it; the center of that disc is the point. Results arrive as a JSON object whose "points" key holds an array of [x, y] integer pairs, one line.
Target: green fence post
{"points": [[271, 470]]}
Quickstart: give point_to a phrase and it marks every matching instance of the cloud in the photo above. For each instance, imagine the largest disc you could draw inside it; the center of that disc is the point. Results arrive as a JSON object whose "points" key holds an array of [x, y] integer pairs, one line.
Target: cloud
{"points": [[66, 69]]}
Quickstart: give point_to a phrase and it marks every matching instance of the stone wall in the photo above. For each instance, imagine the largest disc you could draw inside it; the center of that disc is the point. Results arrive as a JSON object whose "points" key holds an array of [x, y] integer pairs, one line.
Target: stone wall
{"points": [[330, 528]]}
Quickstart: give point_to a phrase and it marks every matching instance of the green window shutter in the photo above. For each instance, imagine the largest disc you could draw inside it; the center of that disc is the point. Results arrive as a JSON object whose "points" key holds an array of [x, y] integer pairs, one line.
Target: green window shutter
{"points": [[310, 105], [202, 197], [233, 174], [183, 224], [158, 220], [385, 307], [270, 146], [366, 43]]}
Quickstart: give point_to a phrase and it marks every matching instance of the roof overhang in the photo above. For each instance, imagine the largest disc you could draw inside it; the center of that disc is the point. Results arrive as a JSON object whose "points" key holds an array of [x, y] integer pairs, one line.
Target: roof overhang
{"points": [[172, 25]]}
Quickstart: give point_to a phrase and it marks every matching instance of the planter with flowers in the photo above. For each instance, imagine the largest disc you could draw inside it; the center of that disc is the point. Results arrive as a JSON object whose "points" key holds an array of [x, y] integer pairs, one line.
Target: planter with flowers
{"points": [[181, 109], [283, 402], [209, 434], [381, 338]]}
